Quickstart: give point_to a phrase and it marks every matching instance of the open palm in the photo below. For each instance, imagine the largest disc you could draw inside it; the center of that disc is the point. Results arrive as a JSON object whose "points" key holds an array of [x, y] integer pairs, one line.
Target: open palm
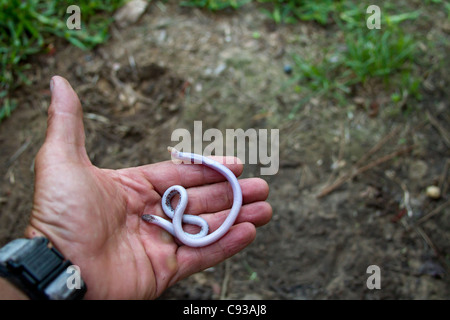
{"points": [[93, 215]]}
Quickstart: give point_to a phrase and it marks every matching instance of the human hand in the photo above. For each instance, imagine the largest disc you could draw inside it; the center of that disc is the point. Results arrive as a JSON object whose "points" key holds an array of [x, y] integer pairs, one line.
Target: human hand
{"points": [[93, 215]]}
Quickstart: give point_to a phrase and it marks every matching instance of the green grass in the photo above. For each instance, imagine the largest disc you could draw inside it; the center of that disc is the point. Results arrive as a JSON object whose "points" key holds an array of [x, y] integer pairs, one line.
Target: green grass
{"points": [[27, 27], [385, 55], [215, 5], [291, 11], [281, 11], [369, 55], [357, 56]]}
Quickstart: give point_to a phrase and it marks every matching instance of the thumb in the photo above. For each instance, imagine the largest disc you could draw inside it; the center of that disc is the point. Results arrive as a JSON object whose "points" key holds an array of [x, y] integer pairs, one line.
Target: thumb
{"points": [[65, 129], [64, 144]]}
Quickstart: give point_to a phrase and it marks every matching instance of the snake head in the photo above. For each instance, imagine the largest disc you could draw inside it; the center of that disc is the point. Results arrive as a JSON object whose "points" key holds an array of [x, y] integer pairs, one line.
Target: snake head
{"points": [[175, 155], [148, 218], [172, 150]]}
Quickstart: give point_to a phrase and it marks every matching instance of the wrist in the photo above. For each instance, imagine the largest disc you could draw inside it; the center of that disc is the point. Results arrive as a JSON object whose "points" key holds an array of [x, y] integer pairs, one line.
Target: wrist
{"points": [[39, 271]]}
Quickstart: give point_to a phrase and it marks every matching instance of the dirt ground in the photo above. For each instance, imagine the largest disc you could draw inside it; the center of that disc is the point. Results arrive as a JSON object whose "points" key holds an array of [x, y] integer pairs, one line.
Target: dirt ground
{"points": [[177, 65]]}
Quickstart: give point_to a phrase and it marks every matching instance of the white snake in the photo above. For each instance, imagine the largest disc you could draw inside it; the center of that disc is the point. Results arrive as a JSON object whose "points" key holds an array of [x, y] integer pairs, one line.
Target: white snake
{"points": [[202, 238]]}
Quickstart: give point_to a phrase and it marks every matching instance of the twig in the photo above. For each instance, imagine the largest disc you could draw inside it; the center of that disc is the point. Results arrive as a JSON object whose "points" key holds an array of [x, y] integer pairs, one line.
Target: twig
{"points": [[19, 152], [432, 213], [442, 180], [377, 146], [334, 186], [444, 134], [427, 240], [360, 170], [340, 153], [341, 143], [383, 159], [226, 277], [366, 156]]}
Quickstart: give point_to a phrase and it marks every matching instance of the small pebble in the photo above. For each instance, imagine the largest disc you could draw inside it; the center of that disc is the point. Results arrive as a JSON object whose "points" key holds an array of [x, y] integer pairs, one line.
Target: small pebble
{"points": [[433, 192], [287, 69]]}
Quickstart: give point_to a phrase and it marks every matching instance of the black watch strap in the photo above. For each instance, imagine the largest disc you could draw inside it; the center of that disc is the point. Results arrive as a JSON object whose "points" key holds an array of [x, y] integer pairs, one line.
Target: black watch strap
{"points": [[40, 271]]}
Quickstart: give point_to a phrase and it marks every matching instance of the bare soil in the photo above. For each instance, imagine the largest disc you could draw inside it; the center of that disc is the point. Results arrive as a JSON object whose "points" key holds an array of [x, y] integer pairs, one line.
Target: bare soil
{"points": [[178, 65]]}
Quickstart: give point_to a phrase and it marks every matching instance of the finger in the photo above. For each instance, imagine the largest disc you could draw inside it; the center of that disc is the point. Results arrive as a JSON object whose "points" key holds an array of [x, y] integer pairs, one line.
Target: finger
{"points": [[166, 174], [65, 130], [258, 213], [219, 196], [192, 260]]}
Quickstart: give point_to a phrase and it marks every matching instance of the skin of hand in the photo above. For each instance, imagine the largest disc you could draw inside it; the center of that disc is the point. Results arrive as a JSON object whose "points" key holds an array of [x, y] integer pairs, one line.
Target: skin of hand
{"points": [[93, 215]]}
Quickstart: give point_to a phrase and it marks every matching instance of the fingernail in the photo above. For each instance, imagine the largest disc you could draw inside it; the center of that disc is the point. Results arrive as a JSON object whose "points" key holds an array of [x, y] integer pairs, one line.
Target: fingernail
{"points": [[51, 85]]}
